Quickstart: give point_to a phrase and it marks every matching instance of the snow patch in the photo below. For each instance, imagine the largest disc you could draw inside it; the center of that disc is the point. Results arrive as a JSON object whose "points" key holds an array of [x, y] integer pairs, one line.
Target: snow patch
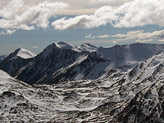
{"points": [[23, 53]]}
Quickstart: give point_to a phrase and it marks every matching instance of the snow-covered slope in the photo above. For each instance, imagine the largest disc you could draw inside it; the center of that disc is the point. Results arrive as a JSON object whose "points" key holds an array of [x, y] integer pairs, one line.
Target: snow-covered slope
{"points": [[130, 54], [16, 60], [87, 47], [65, 45], [23, 53], [133, 96], [20, 102]]}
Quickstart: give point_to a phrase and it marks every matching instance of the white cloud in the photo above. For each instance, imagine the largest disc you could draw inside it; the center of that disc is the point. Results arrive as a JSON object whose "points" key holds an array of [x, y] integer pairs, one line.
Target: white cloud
{"points": [[110, 2], [16, 15], [114, 42], [99, 18], [103, 36], [162, 40], [140, 36], [130, 14], [137, 36], [35, 47], [140, 12], [30, 14], [77, 7], [7, 32], [144, 40], [90, 36]]}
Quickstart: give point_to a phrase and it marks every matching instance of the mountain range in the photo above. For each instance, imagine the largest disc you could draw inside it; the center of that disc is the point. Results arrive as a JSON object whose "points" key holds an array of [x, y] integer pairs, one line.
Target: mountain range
{"points": [[62, 61], [85, 84]]}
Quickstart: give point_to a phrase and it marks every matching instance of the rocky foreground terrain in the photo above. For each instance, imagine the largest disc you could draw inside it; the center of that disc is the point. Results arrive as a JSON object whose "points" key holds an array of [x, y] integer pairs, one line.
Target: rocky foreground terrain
{"points": [[134, 95]]}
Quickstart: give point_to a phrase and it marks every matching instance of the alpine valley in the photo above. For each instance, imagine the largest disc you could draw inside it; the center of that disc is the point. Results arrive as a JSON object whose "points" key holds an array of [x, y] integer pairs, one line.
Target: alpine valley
{"points": [[85, 84]]}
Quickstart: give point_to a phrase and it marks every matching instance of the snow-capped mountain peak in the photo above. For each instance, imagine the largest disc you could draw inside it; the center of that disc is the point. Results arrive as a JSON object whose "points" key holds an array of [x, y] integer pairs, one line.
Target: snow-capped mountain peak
{"points": [[88, 47], [65, 45], [23, 53], [56, 46], [61, 45]]}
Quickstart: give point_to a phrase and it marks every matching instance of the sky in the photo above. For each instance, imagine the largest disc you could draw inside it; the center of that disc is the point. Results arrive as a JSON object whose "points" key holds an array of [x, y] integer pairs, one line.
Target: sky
{"points": [[34, 24]]}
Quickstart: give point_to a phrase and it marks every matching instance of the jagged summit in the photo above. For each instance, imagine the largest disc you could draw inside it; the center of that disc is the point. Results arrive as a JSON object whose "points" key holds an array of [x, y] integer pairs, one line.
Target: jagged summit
{"points": [[57, 47], [65, 45], [88, 47], [23, 53], [16, 60]]}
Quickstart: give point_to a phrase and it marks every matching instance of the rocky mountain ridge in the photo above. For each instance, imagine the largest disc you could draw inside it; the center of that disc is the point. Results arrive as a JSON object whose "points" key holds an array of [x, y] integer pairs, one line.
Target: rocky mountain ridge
{"points": [[62, 61]]}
